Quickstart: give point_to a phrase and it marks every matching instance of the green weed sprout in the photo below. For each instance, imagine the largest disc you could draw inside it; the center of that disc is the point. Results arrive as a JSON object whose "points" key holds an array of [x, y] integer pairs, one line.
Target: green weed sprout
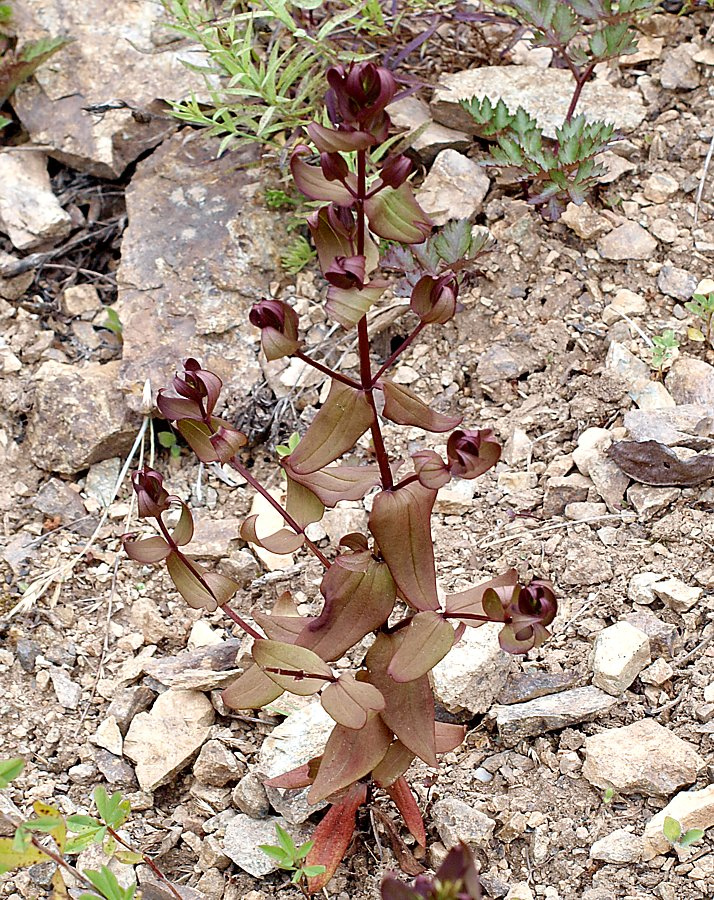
{"points": [[290, 858], [672, 830], [664, 350], [702, 305]]}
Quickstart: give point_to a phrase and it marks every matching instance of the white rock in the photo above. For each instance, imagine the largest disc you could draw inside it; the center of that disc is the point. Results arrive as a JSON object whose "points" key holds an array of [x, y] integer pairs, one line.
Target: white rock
{"points": [[454, 188], [584, 511], [517, 482], [473, 672], [658, 673], [633, 371], [620, 847], [620, 653], [584, 221], [627, 302], [659, 187], [244, 837], [80, 298], [523, 53], [627, 241], [458, 821], [592, 443], [643, 758], [109, 736], [641, 587], [648, 500], [161, 742], [68, 692], [30, 213], [653, 396], [520, 891], [202, 635], [546, 97], [424, 135], [297, 740], [609, 480], [456, 498], [709, 693], [692, 809], [677, 595]]}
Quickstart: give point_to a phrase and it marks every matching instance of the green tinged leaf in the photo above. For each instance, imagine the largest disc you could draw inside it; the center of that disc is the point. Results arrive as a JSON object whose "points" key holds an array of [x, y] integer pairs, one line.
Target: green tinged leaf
{"points": [[691, 837], [671, 829], [9, 770], [291, 667], [425, 642], [12, 857], [107, 885], [114, 810]]}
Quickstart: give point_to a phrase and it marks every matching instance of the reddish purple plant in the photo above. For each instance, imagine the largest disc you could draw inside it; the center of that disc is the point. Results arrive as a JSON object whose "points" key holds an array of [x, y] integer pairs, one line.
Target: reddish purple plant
{"points": [[384, 711], [455, 879]]}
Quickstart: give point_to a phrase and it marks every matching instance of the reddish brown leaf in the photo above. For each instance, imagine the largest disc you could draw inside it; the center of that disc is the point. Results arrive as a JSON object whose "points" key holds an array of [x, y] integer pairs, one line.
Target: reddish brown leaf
{"points": [[183, 530], [198, 587], [409, 709], [312, 182], [405, 408], [650, 462], [299, 777], [349, 755], [401, 524], [406, 860], [395, 763], [342, 420], [401, 794], [350, 702], [251, 690], [425, 642], [302, 503], [291, 667], [359, 595], [394, 214], [470, 602], [282, 541], [348, 305], [333, 835], [448, 736], [336, 483], [150, 550]]}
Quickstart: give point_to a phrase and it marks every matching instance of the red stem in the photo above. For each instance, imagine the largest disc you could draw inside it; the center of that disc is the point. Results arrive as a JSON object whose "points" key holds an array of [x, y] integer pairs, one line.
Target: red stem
{"points": [[581, 79], [397, 353], [363, 337], [326, 370]]}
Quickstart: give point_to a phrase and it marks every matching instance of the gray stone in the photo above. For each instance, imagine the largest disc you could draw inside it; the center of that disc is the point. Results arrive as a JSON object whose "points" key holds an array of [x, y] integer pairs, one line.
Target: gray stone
{"points": [[250, 796], [677, 283], [691, 381], [297, 740], [620, 847], [85, 406], [677, 595], [30, 214], [649, 500], [115, 770], [120, 62], [215, 538], [584, 221], [664, 638], [610, 482], [102, 480], [454, 188], [658, 673], [523, 686], [624, 302], [545, 97], [197, 255], [500, 363], [692, 809], [217, 765], [204, 669], [56, 498], [80, 299], [458, 821], [585, 512], [689, 425], [679, 71], [550, 713], [620, 653], [473, 672], [126, 703], [68, 692], [163, 741], [426, 136], [244, 836], [147, 619], [561, 491], [627, 241], [659, 187], [643, 758], [12, 287]]}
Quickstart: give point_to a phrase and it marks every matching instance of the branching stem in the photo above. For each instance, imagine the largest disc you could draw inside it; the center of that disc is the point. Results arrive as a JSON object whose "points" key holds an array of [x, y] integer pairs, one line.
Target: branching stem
{"points": [[326, 370], [397, 353], [148, 861]]}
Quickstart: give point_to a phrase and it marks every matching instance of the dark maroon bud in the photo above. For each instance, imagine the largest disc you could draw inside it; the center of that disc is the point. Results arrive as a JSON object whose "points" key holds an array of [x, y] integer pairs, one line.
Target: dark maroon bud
{"points": [[152, 498], [346, 272], [396, 170], [334, 166], [359, 95], [278, 323], [434, 299], [471, 453], [199, 385], [527, 613]]}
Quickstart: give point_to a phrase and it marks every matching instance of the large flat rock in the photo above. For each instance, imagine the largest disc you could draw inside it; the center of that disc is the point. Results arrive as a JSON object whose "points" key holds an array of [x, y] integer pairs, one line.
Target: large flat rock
{"points": [[200, 248], [544, 93], [121, 60]]}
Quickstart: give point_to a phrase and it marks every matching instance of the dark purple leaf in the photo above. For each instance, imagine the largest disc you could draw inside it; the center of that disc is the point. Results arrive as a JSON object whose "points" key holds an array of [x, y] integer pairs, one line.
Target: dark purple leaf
{"points": [[405, 408], [650, 462]]}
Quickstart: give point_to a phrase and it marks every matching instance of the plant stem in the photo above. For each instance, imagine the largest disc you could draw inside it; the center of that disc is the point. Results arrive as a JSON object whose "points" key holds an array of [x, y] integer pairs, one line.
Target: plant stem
{"points": [[581, 80], [254, 483], [62, 863], [410, 479], [232, 614], [326, 370], [365, 365], [397, 353], [149, 862]]}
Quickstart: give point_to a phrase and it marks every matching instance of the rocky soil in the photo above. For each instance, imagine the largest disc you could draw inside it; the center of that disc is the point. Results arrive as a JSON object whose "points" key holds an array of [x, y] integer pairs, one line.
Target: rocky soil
{"points": [[574, 754]]}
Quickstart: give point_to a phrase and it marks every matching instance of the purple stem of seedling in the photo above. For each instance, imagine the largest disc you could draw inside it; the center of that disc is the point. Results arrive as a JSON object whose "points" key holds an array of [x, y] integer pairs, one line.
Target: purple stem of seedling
{"points": [[231, 613], [149, 862], [363, 336], [410, 479], [326, 370], [581, 78]]}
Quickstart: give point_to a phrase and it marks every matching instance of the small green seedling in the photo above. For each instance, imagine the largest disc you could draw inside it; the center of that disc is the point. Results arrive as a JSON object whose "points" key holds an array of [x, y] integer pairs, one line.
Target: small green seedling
{"points": [[664, 350], [702, 305], [672, 830], [107, 886], [168, 441], [113, 323], [608, 796], [275, 198], [9, 770], [284, 450], [297, 255], [290, 858]]}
